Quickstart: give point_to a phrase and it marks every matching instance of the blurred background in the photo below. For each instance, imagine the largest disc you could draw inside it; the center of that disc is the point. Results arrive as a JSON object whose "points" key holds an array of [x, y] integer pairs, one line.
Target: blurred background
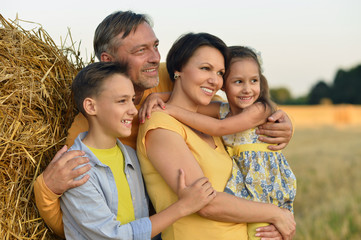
{"points": [[312, 58]]}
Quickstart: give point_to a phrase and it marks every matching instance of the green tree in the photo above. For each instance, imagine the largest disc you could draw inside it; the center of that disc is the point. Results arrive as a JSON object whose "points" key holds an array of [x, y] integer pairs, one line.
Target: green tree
{"points": [[280, 95], [320, 91]]}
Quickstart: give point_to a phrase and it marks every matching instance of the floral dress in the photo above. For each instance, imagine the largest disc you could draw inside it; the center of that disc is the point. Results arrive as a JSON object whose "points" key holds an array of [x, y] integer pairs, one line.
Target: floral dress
{"points": [[258, 173]]}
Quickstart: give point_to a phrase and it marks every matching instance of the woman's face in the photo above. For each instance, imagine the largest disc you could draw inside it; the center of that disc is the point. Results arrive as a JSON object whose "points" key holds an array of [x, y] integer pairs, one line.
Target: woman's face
{"points": [[201, 77], [242, 85]]}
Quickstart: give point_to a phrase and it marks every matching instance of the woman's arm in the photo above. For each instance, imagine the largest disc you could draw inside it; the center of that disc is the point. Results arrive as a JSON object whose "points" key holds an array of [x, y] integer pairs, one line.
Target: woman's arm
{"points": [[250, 117], [162, 143]]}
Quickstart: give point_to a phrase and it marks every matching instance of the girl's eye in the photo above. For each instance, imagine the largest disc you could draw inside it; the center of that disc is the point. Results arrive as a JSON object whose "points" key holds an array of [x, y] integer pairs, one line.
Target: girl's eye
{"points": [[122, 101], [254, 80], [238, 81], [133, 99]]}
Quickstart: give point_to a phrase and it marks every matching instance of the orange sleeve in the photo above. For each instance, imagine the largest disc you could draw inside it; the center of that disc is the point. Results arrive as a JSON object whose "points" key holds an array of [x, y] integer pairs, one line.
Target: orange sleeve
{"points": [[48, 204]]}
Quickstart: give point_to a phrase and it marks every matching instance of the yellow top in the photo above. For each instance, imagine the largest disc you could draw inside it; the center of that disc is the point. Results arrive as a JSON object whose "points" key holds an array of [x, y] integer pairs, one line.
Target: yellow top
{"points": [[114, 159], [216, 166]]}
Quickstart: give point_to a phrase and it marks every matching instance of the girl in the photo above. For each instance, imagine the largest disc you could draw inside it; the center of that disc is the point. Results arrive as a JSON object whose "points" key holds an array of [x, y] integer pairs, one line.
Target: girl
{"points": [[258, 173]]}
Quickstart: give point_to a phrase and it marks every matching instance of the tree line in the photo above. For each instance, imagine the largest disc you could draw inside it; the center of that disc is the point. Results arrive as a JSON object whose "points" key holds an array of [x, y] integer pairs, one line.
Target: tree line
{"points": [[345, 89]]}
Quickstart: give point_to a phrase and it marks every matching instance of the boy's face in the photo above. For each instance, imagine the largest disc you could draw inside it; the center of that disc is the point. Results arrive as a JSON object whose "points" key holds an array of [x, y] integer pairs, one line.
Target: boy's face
{"points": [[140, 50], [114, 105]]}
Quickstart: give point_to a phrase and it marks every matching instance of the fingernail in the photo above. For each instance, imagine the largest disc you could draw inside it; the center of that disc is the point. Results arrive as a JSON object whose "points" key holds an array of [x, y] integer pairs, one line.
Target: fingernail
{"points": [[258, 234], [163, 107]]}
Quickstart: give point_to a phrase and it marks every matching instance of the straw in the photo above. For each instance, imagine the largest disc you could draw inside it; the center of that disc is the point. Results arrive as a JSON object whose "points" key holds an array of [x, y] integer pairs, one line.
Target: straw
{"points": [[35, 113]]}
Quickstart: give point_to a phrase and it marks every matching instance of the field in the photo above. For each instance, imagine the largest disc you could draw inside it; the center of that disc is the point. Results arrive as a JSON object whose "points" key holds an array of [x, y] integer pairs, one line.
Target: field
{"points": [[327, 164]]}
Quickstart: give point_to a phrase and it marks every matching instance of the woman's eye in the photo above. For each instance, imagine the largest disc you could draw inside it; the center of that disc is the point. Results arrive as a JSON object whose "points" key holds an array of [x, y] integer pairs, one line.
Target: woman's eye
{"points": [[205, 68], [221, 74]]}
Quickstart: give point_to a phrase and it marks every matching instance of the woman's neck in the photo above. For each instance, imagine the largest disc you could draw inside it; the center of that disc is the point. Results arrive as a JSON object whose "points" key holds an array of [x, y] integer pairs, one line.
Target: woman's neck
{"points": [[180, 99]]}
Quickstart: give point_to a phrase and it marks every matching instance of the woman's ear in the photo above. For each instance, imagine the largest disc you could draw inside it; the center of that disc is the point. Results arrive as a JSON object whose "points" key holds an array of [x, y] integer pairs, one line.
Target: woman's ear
{"points": [[106, 57], [89, 106]]}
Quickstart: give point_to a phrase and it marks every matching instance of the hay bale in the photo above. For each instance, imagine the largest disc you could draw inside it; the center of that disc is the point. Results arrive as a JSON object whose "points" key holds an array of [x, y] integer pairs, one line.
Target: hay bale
{"points": [[35, 79]]}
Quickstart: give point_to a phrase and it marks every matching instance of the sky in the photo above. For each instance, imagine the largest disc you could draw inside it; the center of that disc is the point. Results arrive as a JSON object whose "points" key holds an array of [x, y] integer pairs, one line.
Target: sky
{"points": [[301, 42]]}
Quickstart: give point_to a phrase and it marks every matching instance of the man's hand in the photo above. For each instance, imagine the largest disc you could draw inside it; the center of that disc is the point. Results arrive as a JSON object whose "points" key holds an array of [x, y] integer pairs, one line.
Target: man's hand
{"points": [[278, 130], [59, 175]]}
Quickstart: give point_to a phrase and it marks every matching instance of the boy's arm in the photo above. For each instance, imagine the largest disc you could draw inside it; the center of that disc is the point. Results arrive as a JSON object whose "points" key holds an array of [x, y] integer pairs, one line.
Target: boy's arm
{"points": [[250, 117], [86, 211]]}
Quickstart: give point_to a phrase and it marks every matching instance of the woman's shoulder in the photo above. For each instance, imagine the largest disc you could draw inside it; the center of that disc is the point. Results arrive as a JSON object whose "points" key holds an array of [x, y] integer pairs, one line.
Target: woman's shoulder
{"points": [[161, 120]]}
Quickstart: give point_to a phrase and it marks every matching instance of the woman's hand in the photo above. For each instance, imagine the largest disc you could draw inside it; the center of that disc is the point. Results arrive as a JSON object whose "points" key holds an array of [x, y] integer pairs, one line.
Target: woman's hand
{"points": [[269, 232], [285, 224], [278, 130]]}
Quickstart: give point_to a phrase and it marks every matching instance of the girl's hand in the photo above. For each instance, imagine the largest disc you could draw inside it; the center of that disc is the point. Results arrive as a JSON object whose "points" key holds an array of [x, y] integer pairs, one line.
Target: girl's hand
{"points": [[195, 196], [278, 130], [152, 101]]}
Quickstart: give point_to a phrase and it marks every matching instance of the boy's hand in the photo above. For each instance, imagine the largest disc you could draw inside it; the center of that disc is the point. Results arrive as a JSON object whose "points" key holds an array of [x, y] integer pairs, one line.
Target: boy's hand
{"points": [[152, 101], [195, 196], [59, 175], [278, 130]]}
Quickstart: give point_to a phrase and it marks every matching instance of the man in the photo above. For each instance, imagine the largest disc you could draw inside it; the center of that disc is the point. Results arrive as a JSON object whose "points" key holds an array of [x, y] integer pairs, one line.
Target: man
{"points": [[128, 37]]}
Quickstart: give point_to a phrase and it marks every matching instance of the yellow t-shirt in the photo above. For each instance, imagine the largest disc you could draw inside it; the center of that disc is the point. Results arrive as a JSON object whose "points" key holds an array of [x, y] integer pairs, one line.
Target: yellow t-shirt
{"points": [[216, 166], [114, 159]]}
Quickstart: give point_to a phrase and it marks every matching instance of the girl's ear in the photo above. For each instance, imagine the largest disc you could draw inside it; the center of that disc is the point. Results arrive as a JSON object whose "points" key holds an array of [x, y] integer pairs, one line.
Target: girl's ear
{"points": [[89, 106], [106, 57]]}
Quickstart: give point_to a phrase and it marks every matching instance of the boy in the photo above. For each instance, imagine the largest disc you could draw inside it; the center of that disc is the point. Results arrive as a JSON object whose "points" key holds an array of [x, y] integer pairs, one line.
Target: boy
{"points": [[112, 203]]}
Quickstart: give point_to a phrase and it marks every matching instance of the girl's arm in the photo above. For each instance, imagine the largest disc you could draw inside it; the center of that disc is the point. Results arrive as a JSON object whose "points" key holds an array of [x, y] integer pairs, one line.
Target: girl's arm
{"points": [[250, 117], [162, 143], [152, 101]]}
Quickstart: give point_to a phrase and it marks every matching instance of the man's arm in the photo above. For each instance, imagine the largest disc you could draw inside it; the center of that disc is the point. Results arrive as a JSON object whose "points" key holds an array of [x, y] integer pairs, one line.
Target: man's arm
{"points": [[278, 130], [55, 180]]}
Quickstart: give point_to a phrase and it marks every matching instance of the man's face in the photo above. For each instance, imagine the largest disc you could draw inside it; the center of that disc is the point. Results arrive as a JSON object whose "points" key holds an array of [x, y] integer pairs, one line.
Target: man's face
{"points": [[140, 50]]}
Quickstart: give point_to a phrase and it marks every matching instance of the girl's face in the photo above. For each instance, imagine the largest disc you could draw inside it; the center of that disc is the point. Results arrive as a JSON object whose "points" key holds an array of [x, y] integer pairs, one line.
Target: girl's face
{"points": [[242, 85], [201, 77]]}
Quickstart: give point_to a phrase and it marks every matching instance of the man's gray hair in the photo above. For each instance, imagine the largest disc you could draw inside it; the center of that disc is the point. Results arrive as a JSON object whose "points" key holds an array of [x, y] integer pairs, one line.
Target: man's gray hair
{"points": [[112, 26]]}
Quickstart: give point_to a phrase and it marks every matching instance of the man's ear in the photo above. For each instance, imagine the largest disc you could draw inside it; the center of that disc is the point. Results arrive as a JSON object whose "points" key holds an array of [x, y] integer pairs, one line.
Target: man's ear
{"points": [[89, 106], [106, 57]]}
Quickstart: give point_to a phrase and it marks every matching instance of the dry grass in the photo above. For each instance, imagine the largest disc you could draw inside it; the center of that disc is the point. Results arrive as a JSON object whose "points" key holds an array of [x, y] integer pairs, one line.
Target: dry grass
{"points": [[327, 164], [35, 78]]}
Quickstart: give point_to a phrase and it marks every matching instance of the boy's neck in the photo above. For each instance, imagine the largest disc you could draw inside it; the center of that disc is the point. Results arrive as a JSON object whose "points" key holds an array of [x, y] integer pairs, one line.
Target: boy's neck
{"points": [[99, 140]]}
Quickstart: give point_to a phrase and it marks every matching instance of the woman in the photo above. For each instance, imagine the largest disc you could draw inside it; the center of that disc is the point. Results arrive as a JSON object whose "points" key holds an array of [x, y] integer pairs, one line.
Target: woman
{"points": [[197, 63]]}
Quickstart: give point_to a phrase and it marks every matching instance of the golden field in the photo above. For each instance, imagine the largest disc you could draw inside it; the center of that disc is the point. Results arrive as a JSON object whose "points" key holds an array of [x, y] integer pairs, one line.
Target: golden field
{"points": [[325, 155]]}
